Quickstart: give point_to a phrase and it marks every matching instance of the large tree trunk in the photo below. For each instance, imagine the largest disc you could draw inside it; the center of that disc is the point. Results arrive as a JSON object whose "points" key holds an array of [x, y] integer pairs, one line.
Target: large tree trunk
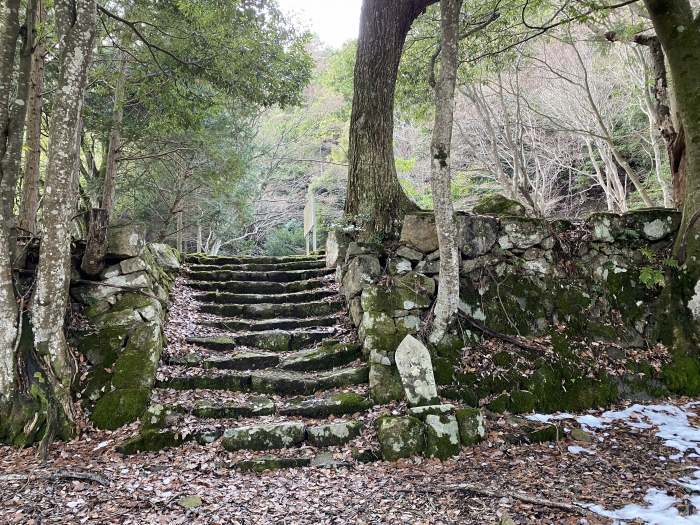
{"points": [[96, 246], [75, 20], [440, 170], [9, 27], [375, 200], [30, 182], [678, 32]]}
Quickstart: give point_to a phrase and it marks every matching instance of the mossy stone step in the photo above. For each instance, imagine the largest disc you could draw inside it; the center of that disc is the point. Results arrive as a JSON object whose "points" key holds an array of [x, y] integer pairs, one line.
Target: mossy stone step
{"points": [[271, 381], [272, 311], [262, 267], [265, 437], [194, 258], [298, 383], [239, 361], [293, 297], [336, 404], [272, 340], [236, 325], [333, 434], [254, 406], [272, 276], [322, 358], [257, 287]]}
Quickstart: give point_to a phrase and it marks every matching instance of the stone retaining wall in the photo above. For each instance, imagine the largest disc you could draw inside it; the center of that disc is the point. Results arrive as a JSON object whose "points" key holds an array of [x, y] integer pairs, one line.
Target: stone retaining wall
{"points": [[125, 310], [519, 276]]}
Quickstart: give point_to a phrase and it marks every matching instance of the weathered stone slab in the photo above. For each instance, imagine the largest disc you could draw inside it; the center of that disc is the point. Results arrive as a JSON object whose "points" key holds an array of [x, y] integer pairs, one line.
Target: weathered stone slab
{"points": [[419, 232], [125, 241], [264, 437], [498, 205], [472, 427], [361, 272], [416, 371], [333, 434], [400, 437], [441, 436], [336, 247]]}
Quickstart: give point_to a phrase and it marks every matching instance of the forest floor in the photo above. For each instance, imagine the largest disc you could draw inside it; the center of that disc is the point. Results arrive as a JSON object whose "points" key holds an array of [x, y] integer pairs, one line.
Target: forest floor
{"points": [[642, 465]]}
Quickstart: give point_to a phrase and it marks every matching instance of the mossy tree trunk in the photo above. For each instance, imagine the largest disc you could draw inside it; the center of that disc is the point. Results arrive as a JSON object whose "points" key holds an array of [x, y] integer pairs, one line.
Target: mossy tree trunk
{"points": [[440, 170], [76, 28], [679, 32], [375, 200]]}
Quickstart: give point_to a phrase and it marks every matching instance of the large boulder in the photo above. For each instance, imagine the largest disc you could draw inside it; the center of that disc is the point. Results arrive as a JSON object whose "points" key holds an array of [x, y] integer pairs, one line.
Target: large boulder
{"points": [[400, 437], [125, 241], [336, 246], [498, 205], [522, 232], [360, 273], [166, 256], [419, 232], [476, 234], [416, 371], [384, 383]]}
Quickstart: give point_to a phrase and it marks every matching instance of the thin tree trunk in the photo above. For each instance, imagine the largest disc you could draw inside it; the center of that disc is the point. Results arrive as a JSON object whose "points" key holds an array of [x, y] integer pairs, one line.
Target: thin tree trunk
{"points": [[30, 183], [96, 245], [440, 170], [179, 235], [375, 199], [9, 27], [75, 23]]}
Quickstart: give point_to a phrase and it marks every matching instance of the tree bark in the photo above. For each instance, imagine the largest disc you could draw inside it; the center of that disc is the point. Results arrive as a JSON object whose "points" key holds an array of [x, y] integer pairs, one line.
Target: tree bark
{"points": [[375, 200], [679, 33], [30, 183], [96, 245], [75, 24], [9, 28], [440, 170]]}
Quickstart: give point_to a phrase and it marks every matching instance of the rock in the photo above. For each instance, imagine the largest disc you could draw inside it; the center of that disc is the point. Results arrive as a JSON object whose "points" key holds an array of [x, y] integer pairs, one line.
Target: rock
{"points": [[525, 431], [263, 437], [428, 267], [362, 248], [522, 401], [356, 311], [360, 273], [399, 266], [410, 291], [416, 370], [441, 436], [400, 437], [522, 232], [323, 357], [325, 460], [332, 434], [476, 235], [336, 247], [125, 241], [472, 428], [605, 227], [336, 404], [581, 435], [423, 411], [165, 256], [190, 502], [498, 205], [409, 253], [384, 383], [418, 231], [135, 264]]}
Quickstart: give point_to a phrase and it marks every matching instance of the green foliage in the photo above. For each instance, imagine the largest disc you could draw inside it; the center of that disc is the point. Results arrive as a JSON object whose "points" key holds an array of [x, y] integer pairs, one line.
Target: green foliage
{"points": [[286, 240], [651, 277]]}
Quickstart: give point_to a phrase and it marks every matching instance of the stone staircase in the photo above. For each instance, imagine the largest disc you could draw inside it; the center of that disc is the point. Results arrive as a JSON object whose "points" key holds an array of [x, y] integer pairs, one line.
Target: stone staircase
{"points": [[260, 360]]}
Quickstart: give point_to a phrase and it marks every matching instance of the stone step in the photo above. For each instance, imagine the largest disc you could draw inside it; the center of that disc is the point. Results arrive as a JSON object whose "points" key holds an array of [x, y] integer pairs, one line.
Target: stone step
{"points": [[238, 298], [324, 357], [194, 258], [272, 340], [273, 311], [236, 325], [253, 406], [272, 276], [271, 381], [261, 267], [257, 287], [239, 361], [335, 404]]}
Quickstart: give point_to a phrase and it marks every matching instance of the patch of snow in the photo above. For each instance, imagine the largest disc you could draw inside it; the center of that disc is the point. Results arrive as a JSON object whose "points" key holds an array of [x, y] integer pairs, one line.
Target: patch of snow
{"points": [[660, 510], [575, 449]]}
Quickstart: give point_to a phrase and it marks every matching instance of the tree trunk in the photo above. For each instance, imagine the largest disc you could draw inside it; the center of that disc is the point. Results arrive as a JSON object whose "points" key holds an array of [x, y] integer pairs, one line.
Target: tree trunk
{"points": [[9, 27], [678, 32], [30, 183], [96, 245], [440, 170], [12, 160], [375, 200], [75, 24]]}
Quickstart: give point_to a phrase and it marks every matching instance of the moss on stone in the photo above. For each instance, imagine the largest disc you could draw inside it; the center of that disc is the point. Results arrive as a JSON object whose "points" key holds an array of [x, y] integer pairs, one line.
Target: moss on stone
{"points": [[136, 366], [151, 441], [472, 428], [103, 346], [500, 403], [441, 436], [270, 463], [400, 437], [497, 204], [385, 383], [119, 407], [682, 375], [522, 401]]}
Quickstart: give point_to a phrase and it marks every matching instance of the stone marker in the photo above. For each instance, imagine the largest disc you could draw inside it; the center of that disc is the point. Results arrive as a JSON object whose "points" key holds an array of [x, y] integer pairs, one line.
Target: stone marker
{"points": [[416, 371]]}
